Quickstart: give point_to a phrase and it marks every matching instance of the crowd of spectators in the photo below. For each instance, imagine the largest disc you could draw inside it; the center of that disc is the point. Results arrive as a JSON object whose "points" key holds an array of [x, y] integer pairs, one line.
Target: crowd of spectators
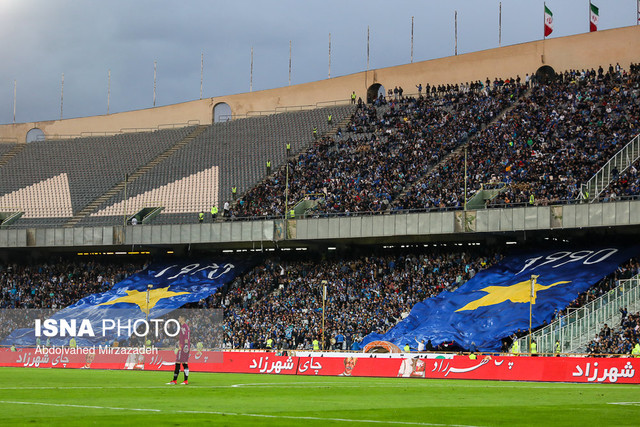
{"points": [[384, 149], [553, 141], [623, 186], [384, 158], [620, 340], [282, 297], [608, 341], [282, 300], [59, 283]]}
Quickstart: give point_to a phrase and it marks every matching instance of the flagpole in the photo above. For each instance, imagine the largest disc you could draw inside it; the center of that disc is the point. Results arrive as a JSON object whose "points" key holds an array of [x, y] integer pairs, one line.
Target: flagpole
{"points": [[465, 177], [124, 214], [155, 68], [108, 90], [329, 75], [544, 23], [531, 295], [149, 286], [289, 62], [61, 95], [15, 85], [201, 71], [412, 39], [251, 72], [367, 48], [500, 25], [455, 20], [324, 299], [148, 290]]}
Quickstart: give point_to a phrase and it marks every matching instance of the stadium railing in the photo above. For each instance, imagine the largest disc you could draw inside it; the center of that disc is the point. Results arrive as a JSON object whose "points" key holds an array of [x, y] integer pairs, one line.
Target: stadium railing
{"points": [[576, 329], [54, 222]]}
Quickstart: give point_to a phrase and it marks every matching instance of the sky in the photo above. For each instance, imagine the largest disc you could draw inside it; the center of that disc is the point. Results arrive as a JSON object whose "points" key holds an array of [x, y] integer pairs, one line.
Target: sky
{"points": [[83, 39]]}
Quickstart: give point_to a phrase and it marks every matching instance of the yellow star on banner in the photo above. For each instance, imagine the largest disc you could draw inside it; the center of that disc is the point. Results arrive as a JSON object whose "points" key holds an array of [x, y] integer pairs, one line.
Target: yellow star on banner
{"points": [[140, 298], [515, 293]]}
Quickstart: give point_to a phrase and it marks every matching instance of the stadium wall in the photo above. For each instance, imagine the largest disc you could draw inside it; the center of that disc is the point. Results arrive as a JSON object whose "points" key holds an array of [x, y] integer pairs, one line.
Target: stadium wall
{"points": [[367, 228], [580, 51], [424, 365]]}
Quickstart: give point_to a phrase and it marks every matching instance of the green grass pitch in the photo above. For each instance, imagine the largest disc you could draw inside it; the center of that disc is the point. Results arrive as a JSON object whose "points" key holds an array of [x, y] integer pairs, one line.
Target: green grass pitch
{"points": [[74, 397]]}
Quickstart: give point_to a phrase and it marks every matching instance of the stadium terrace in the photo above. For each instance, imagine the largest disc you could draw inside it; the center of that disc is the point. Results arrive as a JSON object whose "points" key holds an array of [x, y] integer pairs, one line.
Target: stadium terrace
{"points": [[482, 227]]}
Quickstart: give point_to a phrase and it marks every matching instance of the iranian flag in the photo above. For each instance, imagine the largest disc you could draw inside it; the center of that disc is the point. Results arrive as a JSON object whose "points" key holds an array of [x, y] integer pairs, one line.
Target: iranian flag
{"points": [[548, 21], [594, 14]]}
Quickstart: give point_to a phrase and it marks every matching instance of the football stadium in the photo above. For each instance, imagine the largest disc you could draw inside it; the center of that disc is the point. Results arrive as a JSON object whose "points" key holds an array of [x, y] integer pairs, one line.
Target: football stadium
{"points": [[343, 251]]}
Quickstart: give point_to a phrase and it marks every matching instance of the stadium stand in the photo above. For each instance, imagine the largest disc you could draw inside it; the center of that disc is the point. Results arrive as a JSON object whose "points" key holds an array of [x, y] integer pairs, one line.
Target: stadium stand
{"points": [[393, 155], [59, 282], [5, 148], [281, 297], [78, 170], [225, 155], [623, 186], [617, 340], [576, 124], [382, 150]]}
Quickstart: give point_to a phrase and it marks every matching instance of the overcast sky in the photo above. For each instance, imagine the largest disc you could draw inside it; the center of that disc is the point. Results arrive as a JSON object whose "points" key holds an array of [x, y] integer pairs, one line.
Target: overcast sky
{"points": [[41, 39]]}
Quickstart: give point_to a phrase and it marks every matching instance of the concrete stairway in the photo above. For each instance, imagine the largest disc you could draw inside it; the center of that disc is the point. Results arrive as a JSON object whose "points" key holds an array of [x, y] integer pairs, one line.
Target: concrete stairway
{"points": [[460, 149], [12, 153]]}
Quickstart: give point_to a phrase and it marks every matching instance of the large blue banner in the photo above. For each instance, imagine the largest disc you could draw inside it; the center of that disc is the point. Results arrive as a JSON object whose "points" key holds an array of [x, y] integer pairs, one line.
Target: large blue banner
{"points": [[495, 303], [149, 294]]}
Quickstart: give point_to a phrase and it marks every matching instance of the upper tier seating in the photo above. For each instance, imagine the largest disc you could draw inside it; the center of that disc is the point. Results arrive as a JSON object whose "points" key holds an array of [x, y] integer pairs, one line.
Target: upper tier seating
{"points": [[229, 154], [76, 171], [549, 144], [383, 150]]}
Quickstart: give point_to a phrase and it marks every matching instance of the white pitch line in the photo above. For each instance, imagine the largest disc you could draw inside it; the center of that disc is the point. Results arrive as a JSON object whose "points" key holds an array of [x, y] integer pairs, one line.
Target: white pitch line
{"points": [[289, 417], [342, 384], [68, 405], [275, 385], [624, 403]]}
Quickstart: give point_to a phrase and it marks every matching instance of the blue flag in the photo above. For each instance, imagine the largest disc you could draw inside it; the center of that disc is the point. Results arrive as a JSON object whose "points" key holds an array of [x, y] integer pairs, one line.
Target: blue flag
{"points": [[495, 302], [149, 294], [170, 286]]}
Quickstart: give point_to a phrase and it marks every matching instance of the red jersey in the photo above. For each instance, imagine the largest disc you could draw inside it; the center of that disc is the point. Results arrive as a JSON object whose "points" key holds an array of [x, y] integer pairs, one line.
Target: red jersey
{"points": [[184, 338]]}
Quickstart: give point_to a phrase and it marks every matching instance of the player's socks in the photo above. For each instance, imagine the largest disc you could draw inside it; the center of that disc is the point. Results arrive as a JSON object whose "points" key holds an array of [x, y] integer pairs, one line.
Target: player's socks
{"points": [[176, 372], [186, 372]]}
